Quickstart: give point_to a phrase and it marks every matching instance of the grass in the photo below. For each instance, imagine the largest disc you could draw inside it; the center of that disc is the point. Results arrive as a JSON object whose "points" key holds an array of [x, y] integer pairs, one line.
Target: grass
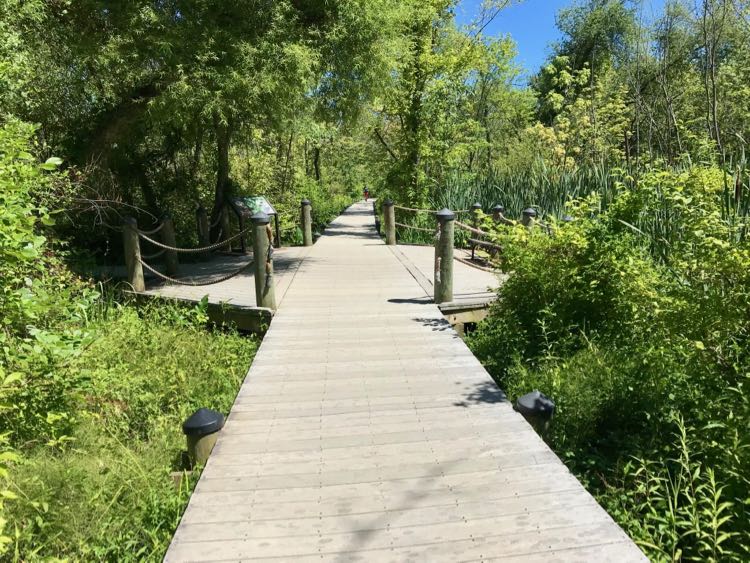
{"points": [[101, 489]]}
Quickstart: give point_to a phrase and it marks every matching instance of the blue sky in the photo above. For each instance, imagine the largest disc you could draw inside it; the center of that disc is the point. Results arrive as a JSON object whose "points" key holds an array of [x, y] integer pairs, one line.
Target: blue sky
{"points": [[531, 23]]}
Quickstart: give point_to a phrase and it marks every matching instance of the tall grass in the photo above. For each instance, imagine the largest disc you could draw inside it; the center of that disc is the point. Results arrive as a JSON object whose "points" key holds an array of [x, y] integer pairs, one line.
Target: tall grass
{"points": [[548, 190], [545, 188]]}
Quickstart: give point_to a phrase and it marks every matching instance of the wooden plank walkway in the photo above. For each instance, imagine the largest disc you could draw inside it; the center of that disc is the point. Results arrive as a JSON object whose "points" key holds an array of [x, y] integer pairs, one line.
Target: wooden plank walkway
{"points": [[239, 290], [367, 431], [471, 285]]}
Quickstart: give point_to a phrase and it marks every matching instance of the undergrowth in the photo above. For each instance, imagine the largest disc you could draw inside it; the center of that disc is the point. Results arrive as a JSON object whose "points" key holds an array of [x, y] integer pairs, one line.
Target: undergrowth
{"points": [[634, 318], [92, 481]]}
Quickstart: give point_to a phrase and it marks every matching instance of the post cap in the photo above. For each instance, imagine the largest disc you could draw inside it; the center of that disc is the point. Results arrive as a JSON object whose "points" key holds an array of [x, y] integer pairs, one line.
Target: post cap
{"points": [[445, 214], [203, 422], [260, 218], [529, 212], [388, 202], [166, 215], [536, 404], [476, 206], [131, 221], [498, 209], [567, 218], [306, 202]]}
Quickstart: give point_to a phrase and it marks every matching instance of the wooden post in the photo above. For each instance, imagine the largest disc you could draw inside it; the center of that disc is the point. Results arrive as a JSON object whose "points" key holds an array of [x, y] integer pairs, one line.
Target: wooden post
{"points": [[444, 257], [475, 210], [307, 237], [265, 295], [168, 238], [225, 228], [389, 217], [529, 214], [204, 237], [133, 253], [498, 212]]}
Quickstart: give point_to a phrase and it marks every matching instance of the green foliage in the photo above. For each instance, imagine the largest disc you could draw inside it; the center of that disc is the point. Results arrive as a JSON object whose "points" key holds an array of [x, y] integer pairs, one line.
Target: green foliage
{"points": [[626, 315], [92, 393], [21, 247], [95, 484], [677, 510]]}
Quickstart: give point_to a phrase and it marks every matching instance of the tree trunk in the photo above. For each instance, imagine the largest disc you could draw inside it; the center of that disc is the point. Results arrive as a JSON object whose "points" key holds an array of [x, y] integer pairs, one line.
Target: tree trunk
{"points": [[316, 163], [223, 133]]}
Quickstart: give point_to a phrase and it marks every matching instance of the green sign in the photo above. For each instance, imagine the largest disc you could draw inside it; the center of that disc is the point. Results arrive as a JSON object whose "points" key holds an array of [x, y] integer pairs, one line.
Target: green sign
{"points": [[251, 205]]}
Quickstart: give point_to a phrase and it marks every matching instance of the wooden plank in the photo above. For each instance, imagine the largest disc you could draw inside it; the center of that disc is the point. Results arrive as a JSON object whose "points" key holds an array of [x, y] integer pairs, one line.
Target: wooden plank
{"points": [[366, 430]]}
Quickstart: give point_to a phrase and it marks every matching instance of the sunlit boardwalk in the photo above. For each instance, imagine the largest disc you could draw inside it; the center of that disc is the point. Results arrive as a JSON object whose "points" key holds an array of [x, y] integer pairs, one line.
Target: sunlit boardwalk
{"points": [[366, 430]]}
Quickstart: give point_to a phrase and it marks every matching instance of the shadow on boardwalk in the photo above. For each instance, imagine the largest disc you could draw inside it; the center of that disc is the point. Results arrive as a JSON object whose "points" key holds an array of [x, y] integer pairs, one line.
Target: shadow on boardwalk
{"points": [[410, 501], [484, 393], [437, 324]]}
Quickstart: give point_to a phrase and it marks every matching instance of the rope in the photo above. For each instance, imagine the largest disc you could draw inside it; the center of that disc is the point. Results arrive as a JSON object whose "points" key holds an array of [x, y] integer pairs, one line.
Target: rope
{"points": [[414, 228], [427, 210], [471, 264], [154, 255], [195, 250], [192, 283], [152, 231], [413, 209], [470, 229]]}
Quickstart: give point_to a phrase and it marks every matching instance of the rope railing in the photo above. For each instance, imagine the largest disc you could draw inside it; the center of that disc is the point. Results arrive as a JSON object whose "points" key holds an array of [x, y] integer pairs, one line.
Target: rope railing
{"points": [[416, 210], [153, 231], [194, 250], [154, 255], [471, 229], [414, 228], [194, 283], [485, 244]]}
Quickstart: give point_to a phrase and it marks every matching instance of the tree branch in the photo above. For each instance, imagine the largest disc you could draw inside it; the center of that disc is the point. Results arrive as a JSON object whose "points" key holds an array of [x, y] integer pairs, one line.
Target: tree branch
{"points": [[382, 140]]}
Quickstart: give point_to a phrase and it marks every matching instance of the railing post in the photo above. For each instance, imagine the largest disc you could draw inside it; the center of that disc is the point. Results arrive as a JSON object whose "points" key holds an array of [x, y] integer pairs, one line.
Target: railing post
{"points": [[307, 236], [529, 214], [204, 237], [168, 238], [133, 253], [225, 228], [265, 295], [444, 257], [389, 217], [475, 210]]}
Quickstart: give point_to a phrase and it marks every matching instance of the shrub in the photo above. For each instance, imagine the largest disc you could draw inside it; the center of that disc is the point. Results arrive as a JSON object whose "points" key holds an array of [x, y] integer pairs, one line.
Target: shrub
{"points": [[96, 484], [635, 318]]}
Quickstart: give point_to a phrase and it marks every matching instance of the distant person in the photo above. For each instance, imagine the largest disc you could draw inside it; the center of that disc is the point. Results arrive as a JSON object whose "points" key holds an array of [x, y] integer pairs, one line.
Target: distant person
{"points": [[366, 193]]}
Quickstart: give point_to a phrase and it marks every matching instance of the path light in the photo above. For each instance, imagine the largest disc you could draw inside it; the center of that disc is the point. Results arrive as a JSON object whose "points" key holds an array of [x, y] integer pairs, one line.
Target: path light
{"points": [[497, 212], [537, 409], [567, 218], [529, 214], [202, 431]]}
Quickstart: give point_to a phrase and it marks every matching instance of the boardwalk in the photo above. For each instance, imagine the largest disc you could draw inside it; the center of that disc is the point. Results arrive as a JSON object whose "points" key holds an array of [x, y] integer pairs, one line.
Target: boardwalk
{"points": [[471, 284], [366, 431]]}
